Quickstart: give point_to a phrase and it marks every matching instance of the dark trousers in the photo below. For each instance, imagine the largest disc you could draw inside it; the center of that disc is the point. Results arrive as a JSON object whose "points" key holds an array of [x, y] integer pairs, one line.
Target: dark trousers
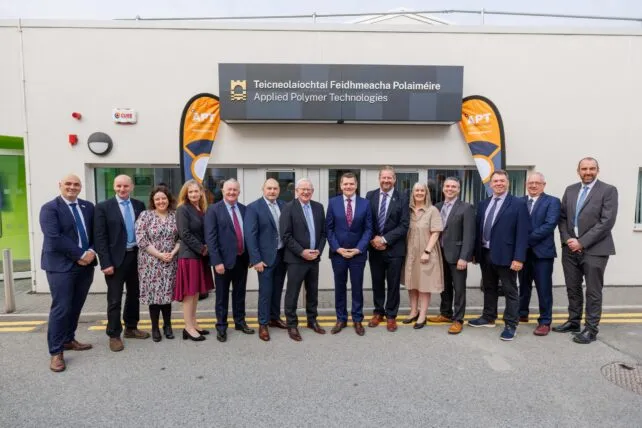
{"points": [[68, 293], [237, 276], [540, 271], [578, 266], [341, 266], [299, 274], [454, 289], [271, 282], [385, 269], [491, 275], [124, 275]]}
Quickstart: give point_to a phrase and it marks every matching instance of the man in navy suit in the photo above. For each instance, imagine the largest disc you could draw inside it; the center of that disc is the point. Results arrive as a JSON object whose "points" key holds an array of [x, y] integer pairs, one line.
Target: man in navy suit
{"points": [[224, 237], [264, 245], [115, 237], [390, 218], [544, 212], [68, 258], [349, 228], [503, 226]]}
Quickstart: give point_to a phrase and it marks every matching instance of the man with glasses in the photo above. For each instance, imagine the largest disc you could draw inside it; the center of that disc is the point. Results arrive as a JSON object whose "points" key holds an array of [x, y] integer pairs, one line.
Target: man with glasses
{"points": [[544, 211], [302, 228]]}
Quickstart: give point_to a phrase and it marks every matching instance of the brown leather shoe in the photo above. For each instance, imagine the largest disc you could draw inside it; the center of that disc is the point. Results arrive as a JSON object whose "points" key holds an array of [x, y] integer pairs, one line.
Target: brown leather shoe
{"points": [[314, 326], [278, 323], [358, 328], [74, 345], [375, 320], [523, 319], [542, 330], [136, 334], [456, 328], [439, 319], [391, 325], [57, 363], [340, 325], [264, 334], [116, 344], [294, 334]]}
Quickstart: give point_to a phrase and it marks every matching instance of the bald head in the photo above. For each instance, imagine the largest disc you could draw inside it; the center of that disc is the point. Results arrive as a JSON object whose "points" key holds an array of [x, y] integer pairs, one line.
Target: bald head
{"points": [[70, 186], [123, 186], [271, 189]]}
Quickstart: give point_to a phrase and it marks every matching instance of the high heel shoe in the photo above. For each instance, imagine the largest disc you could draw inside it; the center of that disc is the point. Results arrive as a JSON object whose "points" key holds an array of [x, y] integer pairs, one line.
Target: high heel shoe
{"points": [[203, 332], [169, 333], [186, 336], [409, 320], [419, 325]]}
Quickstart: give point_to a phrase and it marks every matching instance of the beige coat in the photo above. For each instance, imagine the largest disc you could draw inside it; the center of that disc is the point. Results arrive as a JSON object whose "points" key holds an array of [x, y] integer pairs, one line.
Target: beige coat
{"points": [[429, 277]]}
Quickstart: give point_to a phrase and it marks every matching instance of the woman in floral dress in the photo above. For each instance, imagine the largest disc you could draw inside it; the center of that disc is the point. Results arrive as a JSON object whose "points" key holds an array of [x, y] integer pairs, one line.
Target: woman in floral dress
{"points": [[157, 239]]}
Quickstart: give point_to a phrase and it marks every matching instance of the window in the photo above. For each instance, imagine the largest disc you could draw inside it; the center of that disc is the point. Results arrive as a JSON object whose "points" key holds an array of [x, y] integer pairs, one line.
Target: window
{"points": [[286, 183], [472, 188], [334, 177], [638, 200], [146, 178], [405, 181], [14, 231]]}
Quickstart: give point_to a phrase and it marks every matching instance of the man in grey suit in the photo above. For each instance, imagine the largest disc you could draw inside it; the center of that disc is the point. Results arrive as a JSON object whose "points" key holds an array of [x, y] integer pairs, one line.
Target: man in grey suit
{"points": [[589, 209], [457, 243]]}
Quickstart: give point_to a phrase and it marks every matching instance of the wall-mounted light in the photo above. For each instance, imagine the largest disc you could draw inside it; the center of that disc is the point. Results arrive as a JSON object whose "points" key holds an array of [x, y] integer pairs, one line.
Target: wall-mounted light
{"points": [[99, 143], [73, 139], [76, 115]]}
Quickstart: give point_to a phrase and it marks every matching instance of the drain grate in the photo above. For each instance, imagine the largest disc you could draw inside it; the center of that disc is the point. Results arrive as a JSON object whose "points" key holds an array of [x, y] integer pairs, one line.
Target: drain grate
{"points": [[624, 375]]}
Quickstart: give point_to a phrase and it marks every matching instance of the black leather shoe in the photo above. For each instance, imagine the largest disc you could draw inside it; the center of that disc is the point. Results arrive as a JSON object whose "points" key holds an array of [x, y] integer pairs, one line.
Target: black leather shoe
{"points": [[221, 335], [315, 327], [203, 332], [568, 326], [156, 334], [244, 328], [419, 325], [169, 333], [585, 337], [186, 336]]}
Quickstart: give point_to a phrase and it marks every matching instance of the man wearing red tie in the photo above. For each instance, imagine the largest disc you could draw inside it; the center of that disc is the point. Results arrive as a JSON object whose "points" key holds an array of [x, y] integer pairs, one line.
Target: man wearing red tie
{"points": [[223, 226], [349, 228]]}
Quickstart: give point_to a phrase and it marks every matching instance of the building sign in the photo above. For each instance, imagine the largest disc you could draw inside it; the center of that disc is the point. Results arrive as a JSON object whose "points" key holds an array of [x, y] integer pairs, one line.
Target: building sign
{"points": [[124, 115], [340, 93]]}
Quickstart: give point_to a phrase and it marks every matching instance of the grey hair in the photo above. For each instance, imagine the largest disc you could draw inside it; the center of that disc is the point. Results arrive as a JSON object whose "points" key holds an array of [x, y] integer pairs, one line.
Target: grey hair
{"points": [[538, 174], [303, 180], [232, 181]]}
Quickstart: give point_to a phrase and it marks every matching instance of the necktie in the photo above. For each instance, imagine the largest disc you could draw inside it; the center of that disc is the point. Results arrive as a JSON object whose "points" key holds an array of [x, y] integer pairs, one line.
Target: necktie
{"points": [[84, 242], [580, 204], [381, 218], [310, 222], [445, 211], [349, 212], [275, 216], [529, 205], [129, 223], [488, 224], [237, 231]]}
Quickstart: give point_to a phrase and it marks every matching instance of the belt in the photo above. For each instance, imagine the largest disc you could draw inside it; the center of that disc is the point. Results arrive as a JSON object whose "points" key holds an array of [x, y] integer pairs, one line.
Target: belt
{"points": [[129, 250]]}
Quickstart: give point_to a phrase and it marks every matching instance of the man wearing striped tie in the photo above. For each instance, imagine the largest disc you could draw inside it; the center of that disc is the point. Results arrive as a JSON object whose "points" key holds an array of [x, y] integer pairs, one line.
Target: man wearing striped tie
{"points": [[589, 209], [390, 216]]}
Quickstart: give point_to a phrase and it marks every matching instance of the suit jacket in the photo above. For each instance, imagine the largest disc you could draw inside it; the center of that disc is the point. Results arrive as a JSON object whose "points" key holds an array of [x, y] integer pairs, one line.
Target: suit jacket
{"points": [[220, 235], [357, 235], [261, 232], [544, 218], [189, 223], [110, 234], [596, 220], [60, 250], [397, 221], [295, 234], [509, 233], [458, 235]]}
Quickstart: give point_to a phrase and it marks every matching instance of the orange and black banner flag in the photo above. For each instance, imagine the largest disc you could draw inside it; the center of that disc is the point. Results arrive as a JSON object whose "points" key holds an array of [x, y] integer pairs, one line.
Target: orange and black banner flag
{"points": [[483, 130], [199, 123]]}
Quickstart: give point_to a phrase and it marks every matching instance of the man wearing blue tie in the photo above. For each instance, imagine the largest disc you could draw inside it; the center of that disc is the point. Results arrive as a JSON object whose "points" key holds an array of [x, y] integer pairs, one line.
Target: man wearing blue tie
{"points": [[68, 258], [544, 211], [349, 228], [118, 255], [265, 247], [503, 226]]}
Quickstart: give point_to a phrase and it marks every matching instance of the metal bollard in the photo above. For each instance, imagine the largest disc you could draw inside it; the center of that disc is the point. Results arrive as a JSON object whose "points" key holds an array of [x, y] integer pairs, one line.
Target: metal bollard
{"points": [[9, 295]]}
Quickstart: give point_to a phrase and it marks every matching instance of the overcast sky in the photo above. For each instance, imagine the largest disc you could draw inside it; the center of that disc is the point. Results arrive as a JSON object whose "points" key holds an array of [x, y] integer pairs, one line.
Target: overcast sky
{"points": [[118, 9]]}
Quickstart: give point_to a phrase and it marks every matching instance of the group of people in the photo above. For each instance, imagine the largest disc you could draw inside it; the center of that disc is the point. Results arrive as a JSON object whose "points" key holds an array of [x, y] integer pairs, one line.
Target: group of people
{"points": [[167, 252]]}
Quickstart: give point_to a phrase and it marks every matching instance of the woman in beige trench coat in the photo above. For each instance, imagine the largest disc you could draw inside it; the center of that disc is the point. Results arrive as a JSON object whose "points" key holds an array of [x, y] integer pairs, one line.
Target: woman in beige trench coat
{"points": [[423, 270]]}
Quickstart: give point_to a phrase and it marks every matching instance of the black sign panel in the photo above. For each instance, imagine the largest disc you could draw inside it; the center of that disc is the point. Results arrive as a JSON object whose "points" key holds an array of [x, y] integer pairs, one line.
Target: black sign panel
{"points": [[340, 93]]}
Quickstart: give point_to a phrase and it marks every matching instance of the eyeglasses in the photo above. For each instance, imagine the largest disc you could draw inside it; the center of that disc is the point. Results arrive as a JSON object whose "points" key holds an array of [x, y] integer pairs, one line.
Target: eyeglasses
{"points": [[305, 189]]}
